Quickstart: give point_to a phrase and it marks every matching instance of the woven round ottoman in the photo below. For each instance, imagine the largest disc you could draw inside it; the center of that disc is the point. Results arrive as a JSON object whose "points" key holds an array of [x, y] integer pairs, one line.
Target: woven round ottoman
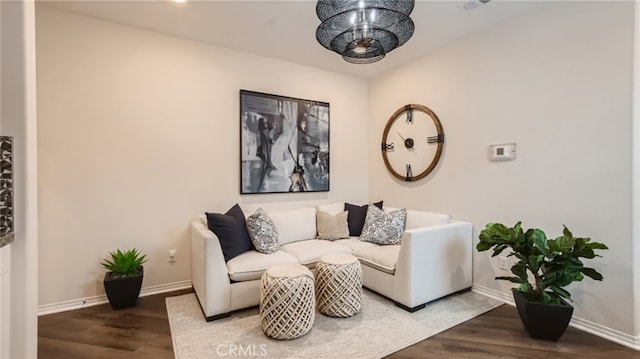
{"points": [[339, 285], [287, 301]]}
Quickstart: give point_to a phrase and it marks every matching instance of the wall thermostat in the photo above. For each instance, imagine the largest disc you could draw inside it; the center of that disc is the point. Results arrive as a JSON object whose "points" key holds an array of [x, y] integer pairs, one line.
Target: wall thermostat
{"points": [[502, 152]]}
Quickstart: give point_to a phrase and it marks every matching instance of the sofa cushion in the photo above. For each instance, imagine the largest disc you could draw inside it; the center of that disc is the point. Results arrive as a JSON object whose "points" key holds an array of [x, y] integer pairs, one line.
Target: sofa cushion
{"points": [[294, 224], [332, 227], [418, 219], [309, 252], [383, 258], [250, 265], [263, 233], [231, 231], [383, 228], [355, 244], [357, 215]]}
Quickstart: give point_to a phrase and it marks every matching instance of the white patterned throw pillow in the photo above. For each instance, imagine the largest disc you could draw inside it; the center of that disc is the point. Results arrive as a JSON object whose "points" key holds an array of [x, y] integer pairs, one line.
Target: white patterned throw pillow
{"points": [[332, 227], [383, 228], [263, 233]]}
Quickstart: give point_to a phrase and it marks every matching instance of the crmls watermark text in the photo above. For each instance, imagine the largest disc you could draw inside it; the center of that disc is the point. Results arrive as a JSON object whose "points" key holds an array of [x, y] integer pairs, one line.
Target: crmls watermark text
{"points": [[239, 350]]}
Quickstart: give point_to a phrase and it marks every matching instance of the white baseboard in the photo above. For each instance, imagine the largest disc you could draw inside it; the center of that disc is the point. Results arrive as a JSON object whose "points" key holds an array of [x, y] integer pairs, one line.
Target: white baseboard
{"points": [[492, 293], [576, 322], [101, 299]]}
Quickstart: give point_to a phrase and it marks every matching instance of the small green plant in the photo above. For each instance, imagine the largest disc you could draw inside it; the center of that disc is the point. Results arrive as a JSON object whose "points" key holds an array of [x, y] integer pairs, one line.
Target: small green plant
{"points": [[554, 263], [124, 264]]}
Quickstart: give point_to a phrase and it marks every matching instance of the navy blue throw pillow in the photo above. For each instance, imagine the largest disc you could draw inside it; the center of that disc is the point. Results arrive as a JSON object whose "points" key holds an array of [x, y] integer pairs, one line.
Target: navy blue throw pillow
{"points": [[357, 215], [231, 230]]}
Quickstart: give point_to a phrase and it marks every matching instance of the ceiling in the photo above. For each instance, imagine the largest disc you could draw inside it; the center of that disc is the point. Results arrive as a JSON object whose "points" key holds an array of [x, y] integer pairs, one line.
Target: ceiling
{"points": [[285, 30]]}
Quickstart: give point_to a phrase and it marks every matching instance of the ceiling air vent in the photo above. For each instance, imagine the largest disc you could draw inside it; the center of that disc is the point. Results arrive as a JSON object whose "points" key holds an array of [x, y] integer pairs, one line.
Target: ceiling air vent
{"points": [[474, 4]]}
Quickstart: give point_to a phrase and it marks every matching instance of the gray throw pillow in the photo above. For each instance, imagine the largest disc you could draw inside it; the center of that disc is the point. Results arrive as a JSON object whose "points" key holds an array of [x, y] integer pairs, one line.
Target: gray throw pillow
{"points": [[383, 228], [263, 233], [332, 227]]}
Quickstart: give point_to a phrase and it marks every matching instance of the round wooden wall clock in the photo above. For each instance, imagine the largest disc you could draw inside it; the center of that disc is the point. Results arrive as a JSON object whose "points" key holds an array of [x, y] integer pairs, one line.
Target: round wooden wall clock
{"points": [[412, 142]]}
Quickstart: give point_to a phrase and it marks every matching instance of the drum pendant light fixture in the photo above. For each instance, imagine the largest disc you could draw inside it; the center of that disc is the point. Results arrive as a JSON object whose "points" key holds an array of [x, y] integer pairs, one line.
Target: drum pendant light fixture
{"points": [[364, 31]]}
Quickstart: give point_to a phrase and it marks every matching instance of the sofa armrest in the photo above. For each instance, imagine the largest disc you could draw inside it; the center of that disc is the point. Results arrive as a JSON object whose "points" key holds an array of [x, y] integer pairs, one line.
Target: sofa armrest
{"points": [[433, 262], [209, 273]]}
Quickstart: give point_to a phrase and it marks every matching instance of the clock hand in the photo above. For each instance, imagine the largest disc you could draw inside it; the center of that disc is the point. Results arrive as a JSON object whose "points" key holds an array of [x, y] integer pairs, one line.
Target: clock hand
{"points": [[408, 142]]}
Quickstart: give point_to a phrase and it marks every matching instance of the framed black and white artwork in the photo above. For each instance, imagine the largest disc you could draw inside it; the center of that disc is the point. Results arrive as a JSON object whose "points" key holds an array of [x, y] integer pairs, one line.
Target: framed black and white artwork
{"points": [[6, 190], [284, 144]]}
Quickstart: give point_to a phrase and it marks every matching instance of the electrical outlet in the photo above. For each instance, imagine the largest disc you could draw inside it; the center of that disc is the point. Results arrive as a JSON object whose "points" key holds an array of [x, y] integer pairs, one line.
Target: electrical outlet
{"points": [[172, 255], [504, 263]]}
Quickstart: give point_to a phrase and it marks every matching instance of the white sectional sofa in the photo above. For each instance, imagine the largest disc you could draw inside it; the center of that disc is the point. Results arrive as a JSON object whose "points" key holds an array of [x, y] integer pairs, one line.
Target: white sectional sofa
{"points": [[432, 261]]}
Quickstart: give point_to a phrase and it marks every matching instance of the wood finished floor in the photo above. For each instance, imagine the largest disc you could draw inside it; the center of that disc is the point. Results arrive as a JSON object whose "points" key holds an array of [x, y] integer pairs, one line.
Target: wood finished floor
{"points": [[143, 332]]}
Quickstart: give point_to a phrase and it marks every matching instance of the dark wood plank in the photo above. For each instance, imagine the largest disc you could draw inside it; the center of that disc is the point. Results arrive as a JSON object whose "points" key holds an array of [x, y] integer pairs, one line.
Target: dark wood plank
{"points": [[100, 332], [500, 334], [143, 332]]}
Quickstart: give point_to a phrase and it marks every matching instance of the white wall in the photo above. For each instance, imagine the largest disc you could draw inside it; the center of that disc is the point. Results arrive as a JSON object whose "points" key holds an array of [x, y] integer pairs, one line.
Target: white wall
{"points": [[558, 82], [18, 120], [138, 134], [635, 164], [5, 301]]}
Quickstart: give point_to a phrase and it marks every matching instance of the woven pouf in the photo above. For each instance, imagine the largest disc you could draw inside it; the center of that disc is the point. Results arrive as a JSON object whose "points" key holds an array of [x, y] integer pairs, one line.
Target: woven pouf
{"points": [[339, 285], [287, 301]]}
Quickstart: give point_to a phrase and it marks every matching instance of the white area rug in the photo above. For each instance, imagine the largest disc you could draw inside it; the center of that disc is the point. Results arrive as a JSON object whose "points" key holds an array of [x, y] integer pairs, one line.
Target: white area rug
{"points": [[379, 329]]}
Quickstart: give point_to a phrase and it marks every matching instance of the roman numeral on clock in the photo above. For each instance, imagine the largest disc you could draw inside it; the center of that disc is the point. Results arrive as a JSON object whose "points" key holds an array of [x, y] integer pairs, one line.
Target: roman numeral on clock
{"points": [[410, 116], [387, 146], [409, 173], [435, 139]]}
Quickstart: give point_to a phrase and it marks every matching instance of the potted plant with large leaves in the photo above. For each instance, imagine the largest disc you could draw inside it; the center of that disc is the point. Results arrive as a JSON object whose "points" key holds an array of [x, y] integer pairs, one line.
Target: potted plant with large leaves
{"points": [[550, 264], [123, 280]]}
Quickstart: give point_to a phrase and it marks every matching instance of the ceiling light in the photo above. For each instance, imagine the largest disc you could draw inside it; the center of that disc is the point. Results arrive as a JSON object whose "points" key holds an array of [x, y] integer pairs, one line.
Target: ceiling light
{"points": [[474, 4], [364, 31]]}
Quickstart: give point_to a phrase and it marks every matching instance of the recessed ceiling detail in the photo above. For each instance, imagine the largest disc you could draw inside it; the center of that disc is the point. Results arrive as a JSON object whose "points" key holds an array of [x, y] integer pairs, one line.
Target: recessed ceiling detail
{"points": [[244, 26]]}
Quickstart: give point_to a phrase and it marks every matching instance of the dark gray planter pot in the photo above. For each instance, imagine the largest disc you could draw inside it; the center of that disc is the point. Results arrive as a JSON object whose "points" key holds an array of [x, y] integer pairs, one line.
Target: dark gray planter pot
{"points": [[123, 292], [542, 320]]}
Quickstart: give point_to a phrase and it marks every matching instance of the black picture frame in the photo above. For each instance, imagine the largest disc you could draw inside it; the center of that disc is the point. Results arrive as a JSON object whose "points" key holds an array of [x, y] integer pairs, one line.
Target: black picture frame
{"points": [[284, 144]]}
